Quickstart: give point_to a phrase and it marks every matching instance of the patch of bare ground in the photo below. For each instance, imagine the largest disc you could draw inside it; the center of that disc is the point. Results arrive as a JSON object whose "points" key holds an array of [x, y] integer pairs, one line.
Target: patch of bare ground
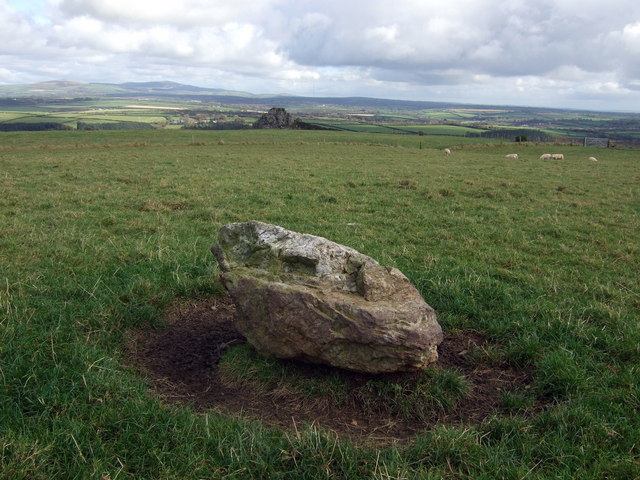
{"points": [[179, 360]]}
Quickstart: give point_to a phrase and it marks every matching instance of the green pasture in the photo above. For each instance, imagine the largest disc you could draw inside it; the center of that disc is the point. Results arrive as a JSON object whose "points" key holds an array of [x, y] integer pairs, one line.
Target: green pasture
{"points": [[630, 133], [447, 115], [136, 117], [9, 116], [452, 130], [25, 117], [354, 126], [181, 137], [449, 130], [366, 128], [73, 116], [102, 231]]}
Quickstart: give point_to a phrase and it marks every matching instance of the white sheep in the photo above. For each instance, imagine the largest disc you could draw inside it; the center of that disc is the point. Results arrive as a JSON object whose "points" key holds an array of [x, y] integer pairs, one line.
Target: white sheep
{"points": [[545, 156], [447, 151], [511, 155], [557, 156], [593, 159]]}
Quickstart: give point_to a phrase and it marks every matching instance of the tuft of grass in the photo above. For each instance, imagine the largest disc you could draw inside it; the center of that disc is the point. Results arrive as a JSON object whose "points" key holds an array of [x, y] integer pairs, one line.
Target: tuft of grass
{"points": [[515, 403], [419, 397], [559, 375], [422, 398], [408, 184], [241, 364]]}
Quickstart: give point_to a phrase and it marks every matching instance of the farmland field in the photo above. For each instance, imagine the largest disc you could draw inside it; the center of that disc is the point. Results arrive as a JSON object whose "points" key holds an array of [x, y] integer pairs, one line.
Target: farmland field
{"points": [[102, 233], [401, 128], [173, 106]]}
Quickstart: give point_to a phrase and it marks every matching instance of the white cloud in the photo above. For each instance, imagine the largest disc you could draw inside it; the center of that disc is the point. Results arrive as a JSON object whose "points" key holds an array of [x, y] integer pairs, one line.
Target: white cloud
{"points": [[514, 51], [184, 13], [16, 32], [631, 37]]}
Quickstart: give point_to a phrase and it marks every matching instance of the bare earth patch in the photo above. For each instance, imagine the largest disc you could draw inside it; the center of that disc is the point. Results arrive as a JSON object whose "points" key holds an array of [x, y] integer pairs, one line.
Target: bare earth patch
{"points": [[180, 362]]}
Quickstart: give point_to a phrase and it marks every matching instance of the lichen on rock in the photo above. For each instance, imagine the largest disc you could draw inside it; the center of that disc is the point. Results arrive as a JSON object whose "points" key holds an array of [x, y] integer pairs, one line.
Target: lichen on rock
{"points": [[305, 297]]}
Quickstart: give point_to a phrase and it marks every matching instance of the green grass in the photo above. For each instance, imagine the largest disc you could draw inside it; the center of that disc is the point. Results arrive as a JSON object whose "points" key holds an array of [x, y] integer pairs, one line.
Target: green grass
{"points": [[209, 138], [102, 230], [452, 130], [10, 115], [448, 115], [414, 399], [88, 116], [150, 118], [449, 130], [242, 365]]}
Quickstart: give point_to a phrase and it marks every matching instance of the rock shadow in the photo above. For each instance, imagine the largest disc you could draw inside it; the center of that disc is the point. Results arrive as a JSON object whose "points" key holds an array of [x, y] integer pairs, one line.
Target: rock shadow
{"points": [[179, 360]]}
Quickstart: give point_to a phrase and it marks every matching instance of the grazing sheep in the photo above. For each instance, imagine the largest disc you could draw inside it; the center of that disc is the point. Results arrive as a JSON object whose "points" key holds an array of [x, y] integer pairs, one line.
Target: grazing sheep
{"points": [[557, 156], [511, 155], [447, 151], [593, 159], [545, 156]]}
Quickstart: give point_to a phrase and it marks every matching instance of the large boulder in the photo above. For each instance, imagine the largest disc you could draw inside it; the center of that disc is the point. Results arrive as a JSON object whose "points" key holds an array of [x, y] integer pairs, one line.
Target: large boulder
{"points": [[304, 297]]}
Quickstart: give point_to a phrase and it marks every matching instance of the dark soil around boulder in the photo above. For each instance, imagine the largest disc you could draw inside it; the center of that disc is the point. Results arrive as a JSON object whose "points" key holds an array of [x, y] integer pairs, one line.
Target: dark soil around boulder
{"points": [[179, 360]]}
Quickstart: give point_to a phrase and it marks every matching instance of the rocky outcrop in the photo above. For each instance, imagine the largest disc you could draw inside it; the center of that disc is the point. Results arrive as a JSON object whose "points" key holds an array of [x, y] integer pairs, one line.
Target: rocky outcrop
{"points": [[275, 118], [304, 297]]}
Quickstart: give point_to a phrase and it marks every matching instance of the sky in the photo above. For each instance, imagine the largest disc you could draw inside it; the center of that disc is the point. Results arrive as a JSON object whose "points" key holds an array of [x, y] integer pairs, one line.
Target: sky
{"points": [[582, 54]]}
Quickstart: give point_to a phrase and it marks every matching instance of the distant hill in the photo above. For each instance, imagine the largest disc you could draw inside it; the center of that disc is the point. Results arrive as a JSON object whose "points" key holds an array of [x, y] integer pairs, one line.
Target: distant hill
{"points": [[172, 89], [65, 89], [65, 104], [57, 91]]}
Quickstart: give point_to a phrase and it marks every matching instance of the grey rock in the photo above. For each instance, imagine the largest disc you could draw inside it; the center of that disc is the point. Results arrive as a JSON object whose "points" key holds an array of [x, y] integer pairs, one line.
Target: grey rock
{"points": [[275, 118], [301, 296]]}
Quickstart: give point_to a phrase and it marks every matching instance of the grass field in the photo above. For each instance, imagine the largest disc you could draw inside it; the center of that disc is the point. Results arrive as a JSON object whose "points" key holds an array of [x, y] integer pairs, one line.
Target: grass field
{"points": [[101, 231], [91, 111], [443, 129], [181, 137], [447, 130], [373, 117]]}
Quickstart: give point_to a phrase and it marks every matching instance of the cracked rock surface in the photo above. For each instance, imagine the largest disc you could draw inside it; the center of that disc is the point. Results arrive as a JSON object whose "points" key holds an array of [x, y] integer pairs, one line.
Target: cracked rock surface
{"points": [[304, 297]]}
